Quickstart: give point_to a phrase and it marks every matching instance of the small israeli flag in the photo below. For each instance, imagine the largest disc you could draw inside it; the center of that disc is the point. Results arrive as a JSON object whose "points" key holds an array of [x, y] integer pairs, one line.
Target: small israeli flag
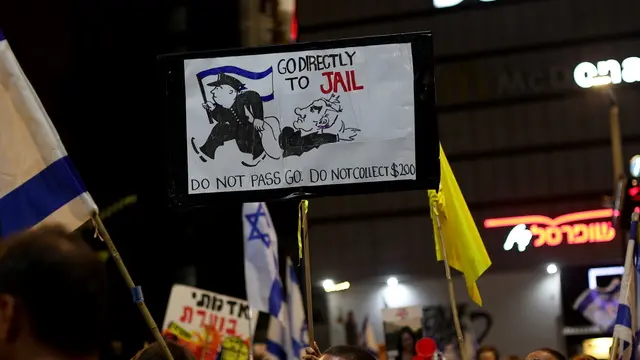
{"points": [[278, 337], [39, 184], [260, 82], [626, 325], [297, 318], [600, 305], [265, 291]]}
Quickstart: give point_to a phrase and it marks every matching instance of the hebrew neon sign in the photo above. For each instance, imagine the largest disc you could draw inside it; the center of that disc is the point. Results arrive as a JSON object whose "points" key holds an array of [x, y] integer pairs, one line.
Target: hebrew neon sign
{"points": [[573, 229]]}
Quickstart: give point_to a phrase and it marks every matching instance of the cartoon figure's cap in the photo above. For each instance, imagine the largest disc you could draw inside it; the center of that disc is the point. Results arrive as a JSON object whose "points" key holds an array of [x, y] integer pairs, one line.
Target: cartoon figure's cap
{"points": [[224, 79]]}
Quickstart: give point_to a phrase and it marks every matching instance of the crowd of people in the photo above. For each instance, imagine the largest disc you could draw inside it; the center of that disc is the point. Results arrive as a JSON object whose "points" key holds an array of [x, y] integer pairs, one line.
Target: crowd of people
{"points": [[53, 291]]}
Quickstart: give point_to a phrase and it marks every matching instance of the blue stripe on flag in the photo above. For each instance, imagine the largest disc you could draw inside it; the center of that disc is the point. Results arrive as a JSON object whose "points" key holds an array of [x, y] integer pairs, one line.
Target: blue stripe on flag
{"points": [[40, 196], [276, 297], [235, 70], [276, 349], [624, 315], [298, 348], [241, 72]]}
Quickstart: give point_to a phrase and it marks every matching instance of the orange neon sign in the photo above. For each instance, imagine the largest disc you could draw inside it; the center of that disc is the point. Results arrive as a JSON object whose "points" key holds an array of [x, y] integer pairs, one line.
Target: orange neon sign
{"points": [[575, 228]]}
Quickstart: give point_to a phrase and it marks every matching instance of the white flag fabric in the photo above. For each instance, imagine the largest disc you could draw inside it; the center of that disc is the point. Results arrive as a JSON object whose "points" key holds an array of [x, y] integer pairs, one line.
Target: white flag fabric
{"points": [[297, 319], [368, 337], [278, 337], [626, 326], [38, 183], [264, 286]]}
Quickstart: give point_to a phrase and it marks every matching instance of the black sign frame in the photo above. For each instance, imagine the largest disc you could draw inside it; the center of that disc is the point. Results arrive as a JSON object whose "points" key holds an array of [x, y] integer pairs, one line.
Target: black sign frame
{"points": [[171, 84]]}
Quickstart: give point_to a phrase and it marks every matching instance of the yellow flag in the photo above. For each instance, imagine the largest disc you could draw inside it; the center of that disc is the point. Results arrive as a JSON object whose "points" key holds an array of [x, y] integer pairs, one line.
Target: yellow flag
{"points": [[464, 247]]}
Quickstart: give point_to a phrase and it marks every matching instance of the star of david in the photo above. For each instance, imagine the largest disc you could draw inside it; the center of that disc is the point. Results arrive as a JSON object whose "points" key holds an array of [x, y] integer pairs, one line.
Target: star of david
{"points": [[255, 233]]}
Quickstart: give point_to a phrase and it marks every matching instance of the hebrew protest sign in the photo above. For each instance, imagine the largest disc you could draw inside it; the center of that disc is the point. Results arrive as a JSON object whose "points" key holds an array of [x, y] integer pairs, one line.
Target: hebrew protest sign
{"points": [[350, 116], [204, 321]]}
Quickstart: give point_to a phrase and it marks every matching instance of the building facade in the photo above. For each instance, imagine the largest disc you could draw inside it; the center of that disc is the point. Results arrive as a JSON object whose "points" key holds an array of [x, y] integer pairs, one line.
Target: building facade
{"points": [[523, 134], [524, 128]]}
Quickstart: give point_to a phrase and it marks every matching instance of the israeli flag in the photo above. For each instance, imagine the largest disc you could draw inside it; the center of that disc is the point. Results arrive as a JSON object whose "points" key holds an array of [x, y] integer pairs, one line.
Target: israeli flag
{"points": [[626, 325], [297, 319], [260, 82], [600, 305], [38, 183], [278, 338], [368, 338], [264, 286]]}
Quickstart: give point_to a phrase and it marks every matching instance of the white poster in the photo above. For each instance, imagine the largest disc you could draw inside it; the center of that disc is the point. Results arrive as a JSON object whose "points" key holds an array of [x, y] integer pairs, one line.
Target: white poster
{"points": [[308, 118], [202, 320]]}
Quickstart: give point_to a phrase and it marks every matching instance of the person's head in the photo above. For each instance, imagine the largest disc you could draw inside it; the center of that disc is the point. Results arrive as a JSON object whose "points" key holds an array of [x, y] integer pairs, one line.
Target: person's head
{"points": [[225, 90], [155, 352], [546, 354], [487, 353], [513, 357], [320, 114], [406, 340], [347, 352], [53, 291], [583, 357]]}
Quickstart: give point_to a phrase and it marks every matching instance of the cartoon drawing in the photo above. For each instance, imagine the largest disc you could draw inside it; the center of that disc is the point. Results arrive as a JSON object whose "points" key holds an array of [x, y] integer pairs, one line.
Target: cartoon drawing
{"points": [[314, 127], [238, 115]]}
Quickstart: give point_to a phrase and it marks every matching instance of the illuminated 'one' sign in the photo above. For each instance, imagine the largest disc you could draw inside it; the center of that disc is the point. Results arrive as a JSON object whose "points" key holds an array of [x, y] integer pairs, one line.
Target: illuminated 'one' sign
{"points": [[441, 4], [606, 72], [573, 229]]}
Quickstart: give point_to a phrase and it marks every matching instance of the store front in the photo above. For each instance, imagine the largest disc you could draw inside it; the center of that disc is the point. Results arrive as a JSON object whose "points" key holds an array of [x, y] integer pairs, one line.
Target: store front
{"points": [[541, 258]]}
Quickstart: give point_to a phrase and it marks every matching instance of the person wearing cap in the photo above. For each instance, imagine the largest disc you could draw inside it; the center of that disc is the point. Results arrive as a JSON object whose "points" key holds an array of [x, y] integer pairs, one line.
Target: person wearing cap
{"points": [[239, 116]]}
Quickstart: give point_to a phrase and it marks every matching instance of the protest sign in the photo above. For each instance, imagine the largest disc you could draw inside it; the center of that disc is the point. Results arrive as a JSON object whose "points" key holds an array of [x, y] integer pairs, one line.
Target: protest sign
{"points": [[204, 321], [346, 116]]}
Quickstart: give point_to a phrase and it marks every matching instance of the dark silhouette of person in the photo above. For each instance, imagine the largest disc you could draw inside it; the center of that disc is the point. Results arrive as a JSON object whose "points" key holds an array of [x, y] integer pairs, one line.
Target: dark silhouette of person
{"points": [[239, 116], [546, 354], [406, 344], [487, 352], [351, 329], [53, 291]]}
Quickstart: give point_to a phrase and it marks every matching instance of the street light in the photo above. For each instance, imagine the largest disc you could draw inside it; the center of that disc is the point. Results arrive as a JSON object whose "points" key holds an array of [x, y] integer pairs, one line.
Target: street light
{"points": [[616, 137]]}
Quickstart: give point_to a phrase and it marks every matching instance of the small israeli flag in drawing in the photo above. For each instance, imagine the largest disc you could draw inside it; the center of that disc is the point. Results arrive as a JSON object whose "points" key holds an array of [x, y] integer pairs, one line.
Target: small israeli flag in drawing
{"points": [[265, 291], [39, 183], [260, 82]]}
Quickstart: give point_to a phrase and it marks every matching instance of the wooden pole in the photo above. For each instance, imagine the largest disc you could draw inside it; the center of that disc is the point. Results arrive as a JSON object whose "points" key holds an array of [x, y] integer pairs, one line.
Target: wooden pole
{"points": [[307, 277], [452, 295], [104, 235], [614, 349]]}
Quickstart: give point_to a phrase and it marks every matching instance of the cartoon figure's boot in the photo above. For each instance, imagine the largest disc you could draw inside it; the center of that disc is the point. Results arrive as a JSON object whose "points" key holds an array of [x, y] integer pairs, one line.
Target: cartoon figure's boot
{"points": [[271, 136]]}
